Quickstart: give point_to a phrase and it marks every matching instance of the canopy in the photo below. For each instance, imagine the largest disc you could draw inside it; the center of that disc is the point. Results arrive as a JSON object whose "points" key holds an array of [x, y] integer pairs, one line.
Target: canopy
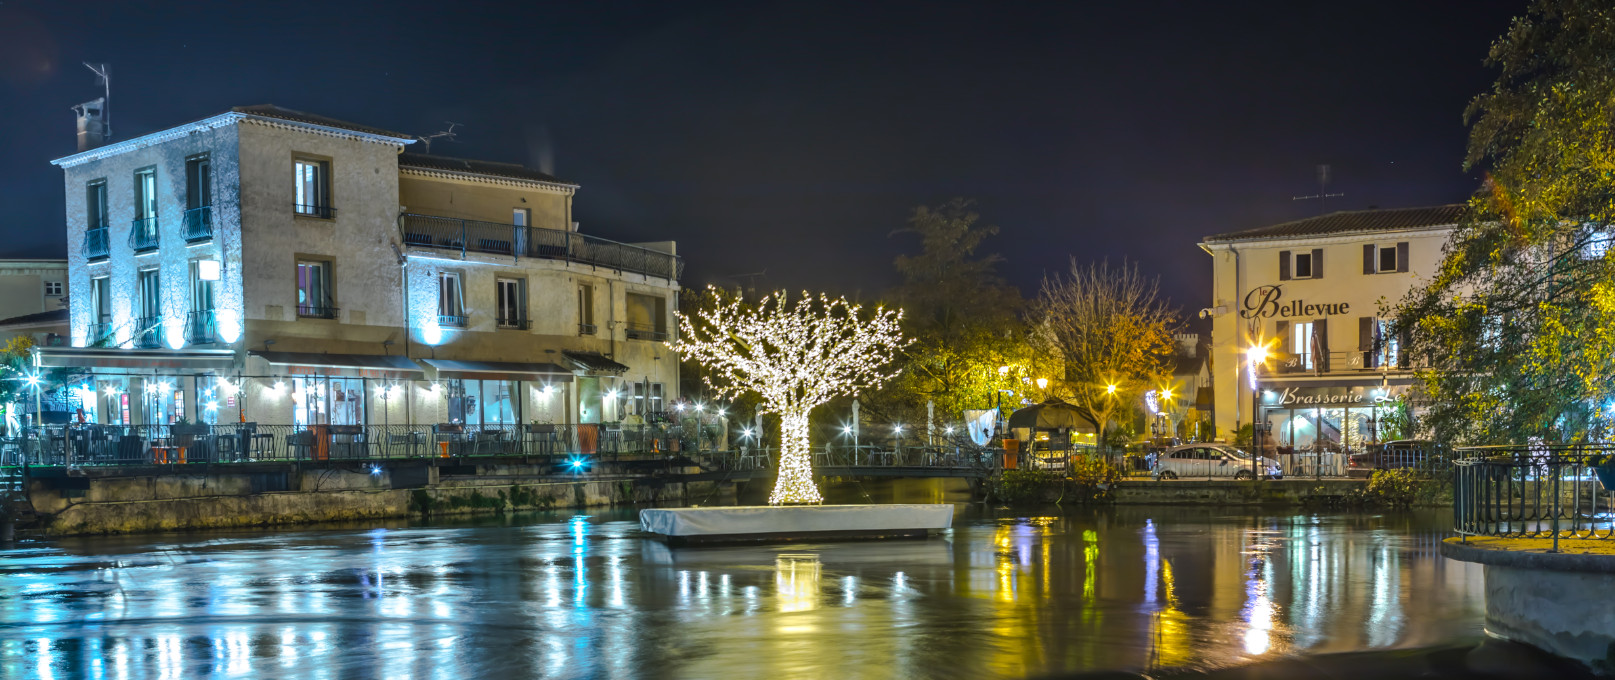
{"points": [[350, 365], [1049, 415], [498, 370]]}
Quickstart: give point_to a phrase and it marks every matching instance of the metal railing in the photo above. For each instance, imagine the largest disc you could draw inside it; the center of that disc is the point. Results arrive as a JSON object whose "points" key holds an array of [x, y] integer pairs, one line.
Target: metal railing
{"points": [[323, 212], [97, 242], [199, 327], [96, 332], [640, 331], [198, 224], [1536, 491], [586, 329], [317, 311], [473, 236], [149, 333], [452, 320], [143, 234], [515, 324]]}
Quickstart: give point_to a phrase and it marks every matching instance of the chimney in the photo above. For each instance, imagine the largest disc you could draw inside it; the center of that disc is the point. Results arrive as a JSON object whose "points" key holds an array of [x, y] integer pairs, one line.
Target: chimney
{"points": [[92, 123]]}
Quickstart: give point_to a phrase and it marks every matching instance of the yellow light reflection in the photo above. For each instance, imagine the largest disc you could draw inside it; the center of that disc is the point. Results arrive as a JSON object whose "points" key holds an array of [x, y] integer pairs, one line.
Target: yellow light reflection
{"points": [[796, 580]]}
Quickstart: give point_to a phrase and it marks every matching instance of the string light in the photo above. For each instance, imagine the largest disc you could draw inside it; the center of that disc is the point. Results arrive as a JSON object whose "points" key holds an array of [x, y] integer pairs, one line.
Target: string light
{"points": [[796, 357]]}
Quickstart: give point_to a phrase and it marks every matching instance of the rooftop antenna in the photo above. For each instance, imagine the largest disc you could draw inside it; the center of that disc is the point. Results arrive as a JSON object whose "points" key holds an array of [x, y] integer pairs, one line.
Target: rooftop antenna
{"points": [[1323, 194], [445, 134], [103, 77]]}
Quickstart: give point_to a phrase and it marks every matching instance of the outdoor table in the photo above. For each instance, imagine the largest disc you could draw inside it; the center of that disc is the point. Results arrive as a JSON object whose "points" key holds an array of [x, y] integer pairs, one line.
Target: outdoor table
{"points": [[162, 455]]}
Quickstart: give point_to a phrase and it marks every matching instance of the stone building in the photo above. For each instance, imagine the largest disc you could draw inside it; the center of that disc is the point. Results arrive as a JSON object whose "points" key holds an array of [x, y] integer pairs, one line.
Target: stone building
{"points": [[274, 266], [33, 301], [1315, 292]]}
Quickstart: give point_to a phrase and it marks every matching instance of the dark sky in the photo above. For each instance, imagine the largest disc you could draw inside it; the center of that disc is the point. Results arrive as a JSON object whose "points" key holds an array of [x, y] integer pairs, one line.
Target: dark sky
{"points": [[794, 137]]}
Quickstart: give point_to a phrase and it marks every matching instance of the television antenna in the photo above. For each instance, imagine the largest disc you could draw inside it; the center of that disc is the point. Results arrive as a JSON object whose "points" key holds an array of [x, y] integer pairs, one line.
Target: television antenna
{"points": [[443, 134], [103, 77], [1323, 194]]}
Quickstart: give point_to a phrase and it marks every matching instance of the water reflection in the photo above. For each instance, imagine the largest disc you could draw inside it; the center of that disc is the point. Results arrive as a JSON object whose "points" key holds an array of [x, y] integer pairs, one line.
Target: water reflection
{"points": [[587, 596]]}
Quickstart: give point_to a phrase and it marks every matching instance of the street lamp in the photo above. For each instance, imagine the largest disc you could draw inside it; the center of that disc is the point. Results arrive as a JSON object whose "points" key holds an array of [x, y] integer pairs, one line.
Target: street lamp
{"points": [[1042, 383], [1254, 357]]}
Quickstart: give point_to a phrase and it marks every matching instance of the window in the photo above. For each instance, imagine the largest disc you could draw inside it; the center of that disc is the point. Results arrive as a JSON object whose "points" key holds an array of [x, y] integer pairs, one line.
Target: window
{"points": [[100, 309], [1301, 343], [143, 232], [647, 398], [1390, 347], [647, 317], [511, 303], [53, 288], [1306, 264], [450, 304], [314, 297], [1597, 244], [95, 204], [586, 309], [521, 217], [198, 199], [1382, 258], [150, 322], [199, 323], [313, 182]]}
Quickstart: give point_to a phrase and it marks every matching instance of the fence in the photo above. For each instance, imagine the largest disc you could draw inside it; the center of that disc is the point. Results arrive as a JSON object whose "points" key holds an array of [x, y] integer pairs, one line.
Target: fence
{"points": [[93, 445], [431, 231], [1534, 492]]}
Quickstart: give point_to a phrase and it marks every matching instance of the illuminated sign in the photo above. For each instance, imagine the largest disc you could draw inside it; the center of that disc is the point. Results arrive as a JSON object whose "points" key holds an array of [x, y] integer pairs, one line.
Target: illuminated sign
{"points": [[1265, 301]]}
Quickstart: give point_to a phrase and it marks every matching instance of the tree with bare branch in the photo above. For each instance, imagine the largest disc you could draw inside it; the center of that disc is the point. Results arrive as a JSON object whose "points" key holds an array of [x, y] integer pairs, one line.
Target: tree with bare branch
{"points": [[1110, 331]]}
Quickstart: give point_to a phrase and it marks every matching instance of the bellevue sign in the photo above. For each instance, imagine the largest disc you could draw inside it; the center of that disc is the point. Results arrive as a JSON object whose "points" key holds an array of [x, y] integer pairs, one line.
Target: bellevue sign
{"points": [[1263, 302]]}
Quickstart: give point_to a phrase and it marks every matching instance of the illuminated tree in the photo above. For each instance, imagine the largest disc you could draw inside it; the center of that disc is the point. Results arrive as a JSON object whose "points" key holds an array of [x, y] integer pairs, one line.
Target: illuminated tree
{"points": [[1514, 335], [795, 356]]}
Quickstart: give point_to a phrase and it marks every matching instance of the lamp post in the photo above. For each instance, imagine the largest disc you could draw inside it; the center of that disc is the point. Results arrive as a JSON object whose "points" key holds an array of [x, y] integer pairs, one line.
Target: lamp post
{"points": [[1255, 356]]}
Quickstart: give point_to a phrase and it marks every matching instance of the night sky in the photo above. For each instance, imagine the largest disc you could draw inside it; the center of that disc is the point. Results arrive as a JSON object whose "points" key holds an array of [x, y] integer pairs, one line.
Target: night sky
{"points": [[794, 137]]}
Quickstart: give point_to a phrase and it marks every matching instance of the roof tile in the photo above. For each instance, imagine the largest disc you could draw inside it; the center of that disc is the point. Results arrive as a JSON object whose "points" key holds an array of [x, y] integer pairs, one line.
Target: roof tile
{"points": [[1352, 221]]}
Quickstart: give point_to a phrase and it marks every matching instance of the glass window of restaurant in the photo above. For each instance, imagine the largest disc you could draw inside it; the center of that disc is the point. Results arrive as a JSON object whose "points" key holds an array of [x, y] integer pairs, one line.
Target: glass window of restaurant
{"points": [[1337, 429], [484, 403], [328, 400]]}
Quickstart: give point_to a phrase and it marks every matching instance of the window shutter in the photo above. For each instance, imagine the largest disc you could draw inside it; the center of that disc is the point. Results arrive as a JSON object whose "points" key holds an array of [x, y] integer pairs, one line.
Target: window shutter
{"points": [[1283, 332], [1365, 339], [1368, 259], [1317, 263], [1402, 256], [1284, 265]]}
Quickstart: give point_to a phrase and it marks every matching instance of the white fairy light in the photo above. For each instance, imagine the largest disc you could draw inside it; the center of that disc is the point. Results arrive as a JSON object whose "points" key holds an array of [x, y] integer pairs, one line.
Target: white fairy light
{"points": [[795, 356]]}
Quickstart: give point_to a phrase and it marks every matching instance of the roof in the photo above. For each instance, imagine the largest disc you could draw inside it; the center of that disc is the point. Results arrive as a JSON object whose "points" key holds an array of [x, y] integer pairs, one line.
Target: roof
{"points": [[52, 316], [272, 111], [1352, 222], [475, 167], [594, 362]]}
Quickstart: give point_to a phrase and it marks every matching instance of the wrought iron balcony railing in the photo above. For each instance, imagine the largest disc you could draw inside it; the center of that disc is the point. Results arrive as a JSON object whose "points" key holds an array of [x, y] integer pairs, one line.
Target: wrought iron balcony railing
{"points": [[97, 332], [199, 224], [640, 331], [586, 329], [472, 236], [143, 234], [149, 333], [451, 320], [200, 329], [323, 212], [316, 311], [516, 324], [97, 243]]}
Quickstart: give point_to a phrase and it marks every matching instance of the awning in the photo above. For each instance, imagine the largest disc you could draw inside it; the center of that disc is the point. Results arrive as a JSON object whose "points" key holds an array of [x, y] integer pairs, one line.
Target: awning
{"points": [[117, 360], [594, 363], [450, 369], [348, 365]]}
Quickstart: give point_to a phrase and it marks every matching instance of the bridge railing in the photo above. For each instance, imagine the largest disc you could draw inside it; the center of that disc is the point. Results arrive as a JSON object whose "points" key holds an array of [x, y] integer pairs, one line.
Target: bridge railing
{"points": [[1534, 491]]}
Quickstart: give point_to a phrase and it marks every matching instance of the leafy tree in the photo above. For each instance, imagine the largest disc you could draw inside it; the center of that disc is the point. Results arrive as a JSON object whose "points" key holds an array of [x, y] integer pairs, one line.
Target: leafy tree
{"points": [[963, 316], [1111, 331], [1516, 330]]}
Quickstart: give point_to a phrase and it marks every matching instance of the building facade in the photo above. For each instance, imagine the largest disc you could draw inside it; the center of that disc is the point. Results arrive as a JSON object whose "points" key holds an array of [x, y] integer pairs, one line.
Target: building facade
{"points": [[33, 301], [269, 265], [1315, 293]]}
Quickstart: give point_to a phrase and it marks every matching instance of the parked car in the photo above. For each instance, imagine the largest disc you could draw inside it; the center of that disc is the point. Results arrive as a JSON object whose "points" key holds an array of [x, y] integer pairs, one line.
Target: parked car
{"points": [[1392, 455], [1210, 460]]}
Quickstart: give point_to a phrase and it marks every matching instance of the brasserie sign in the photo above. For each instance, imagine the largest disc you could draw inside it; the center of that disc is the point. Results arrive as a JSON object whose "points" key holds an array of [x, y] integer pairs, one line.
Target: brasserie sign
{"points": [[1267, 301], [1332, 396]]}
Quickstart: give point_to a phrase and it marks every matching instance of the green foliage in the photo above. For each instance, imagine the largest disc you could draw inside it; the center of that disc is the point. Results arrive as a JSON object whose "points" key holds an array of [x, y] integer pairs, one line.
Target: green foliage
{"points": [[421, 501], [1027, 486], [1517, 327], [1242, 436], [1393, 488], [1090, 479], [1093, 477]]}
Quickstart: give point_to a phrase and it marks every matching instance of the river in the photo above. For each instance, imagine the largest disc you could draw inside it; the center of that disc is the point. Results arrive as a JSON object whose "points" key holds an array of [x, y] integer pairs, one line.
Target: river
{"points": [[1004, 594]]}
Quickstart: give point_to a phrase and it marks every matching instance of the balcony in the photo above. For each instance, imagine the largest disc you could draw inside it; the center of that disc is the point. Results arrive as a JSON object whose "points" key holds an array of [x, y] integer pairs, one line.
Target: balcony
{"points": [[143, 235], [492, 238], [316, 311], [452, 320], [97, 243], [199, 224], [640, 331], [150, 332], [323, 212], [515, 324], [586, 329], [200, 328], [96, 333], [1356, 361]]}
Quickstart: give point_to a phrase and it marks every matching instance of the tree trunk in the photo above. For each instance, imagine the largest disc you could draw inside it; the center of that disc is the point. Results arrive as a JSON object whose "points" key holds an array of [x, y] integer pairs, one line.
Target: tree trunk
{"points": [[795, 483]]}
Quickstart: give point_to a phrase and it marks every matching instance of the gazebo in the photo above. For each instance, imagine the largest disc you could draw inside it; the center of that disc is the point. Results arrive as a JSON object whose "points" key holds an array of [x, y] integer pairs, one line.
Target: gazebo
{"points": [[1051, 426]]}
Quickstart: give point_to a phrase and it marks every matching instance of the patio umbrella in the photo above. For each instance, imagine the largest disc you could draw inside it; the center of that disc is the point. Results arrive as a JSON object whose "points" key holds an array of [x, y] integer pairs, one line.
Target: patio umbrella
{"points": [[1049, 415]]}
